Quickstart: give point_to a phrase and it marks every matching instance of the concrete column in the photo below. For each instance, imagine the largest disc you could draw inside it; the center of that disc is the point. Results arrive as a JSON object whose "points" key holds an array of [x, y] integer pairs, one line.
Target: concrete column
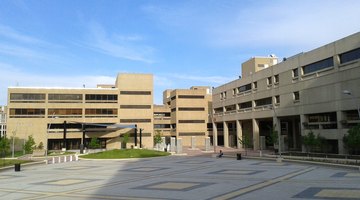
{"points": [[179, 146], [162, 145], [256, 134], [226, 134], [215, 135], [302, 120], [238, 133], [207, 143], [276, 123], [172, 144], [193, 142], [340, 116]]}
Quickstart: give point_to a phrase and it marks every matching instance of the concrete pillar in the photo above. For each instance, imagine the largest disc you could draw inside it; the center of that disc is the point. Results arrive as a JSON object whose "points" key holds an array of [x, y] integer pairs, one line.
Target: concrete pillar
{"points": [[238, 133], [207, 143], [256, 133], [179, 146], [302, 121], [262, 143], [193, 142], [162, 145], [276, 123], [226, 134], [172, 144], [215, 135]]}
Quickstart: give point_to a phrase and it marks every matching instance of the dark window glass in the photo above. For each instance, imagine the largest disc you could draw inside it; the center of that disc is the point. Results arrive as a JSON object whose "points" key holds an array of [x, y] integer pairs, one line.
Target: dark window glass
{"points": [[255, 85], [295, 72], [269, 80], [246, 105], [329, 62], [350, 56], [323, 117], [101, 98], [65, 97], [161, 125], [296, 96], [100, 112], [26, 97], [173, 110], [264, 101], [135, 120], [276, 78], [191, 121], [26, 113], [173, 98], [191, 134], [191, 109], [191, 97], [135, 106], [244, 88], [135, 92]]}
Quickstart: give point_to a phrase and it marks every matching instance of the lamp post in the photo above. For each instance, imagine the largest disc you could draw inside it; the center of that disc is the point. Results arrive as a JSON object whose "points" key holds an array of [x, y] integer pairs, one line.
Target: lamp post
{"points": [[347, 92], [47, 135]]}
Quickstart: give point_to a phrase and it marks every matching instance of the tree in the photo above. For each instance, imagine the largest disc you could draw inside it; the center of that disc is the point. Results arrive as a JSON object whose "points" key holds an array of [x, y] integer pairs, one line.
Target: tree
{"points": [[94, 143], [274, 136], [157, 138], [310, 141], [4, 146], [352, 140], [322, 143], [41, 145], [245, 141], [29, 145], [125, 139]]}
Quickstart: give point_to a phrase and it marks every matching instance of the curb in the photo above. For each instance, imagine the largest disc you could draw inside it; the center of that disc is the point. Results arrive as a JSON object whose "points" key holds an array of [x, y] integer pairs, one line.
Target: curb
{"points": [[24, 165]]}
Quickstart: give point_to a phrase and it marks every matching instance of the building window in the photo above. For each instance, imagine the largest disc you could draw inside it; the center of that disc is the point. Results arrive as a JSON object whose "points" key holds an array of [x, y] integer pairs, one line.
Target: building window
{"points": [[234, 91], [247, 104], [135, 92], [323, 64], [192, 121], [191, 109], [218, 110], [295, 73], [255, 85], [65, 98], [101, 112], [135, 120], [192, 96], [244, 88], [263, 102], [101, 98], [277, 99], [26, 113], [27, 98], [62, 112], [173, 110], [161, 126], [349, 56], [296, 96], [269, 80], [135, 106], [276, 79]]}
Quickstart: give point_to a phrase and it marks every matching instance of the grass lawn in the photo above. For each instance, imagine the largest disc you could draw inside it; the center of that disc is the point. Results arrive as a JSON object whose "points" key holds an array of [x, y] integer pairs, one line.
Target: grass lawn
{"points": [[8, 162], [125, 153]]}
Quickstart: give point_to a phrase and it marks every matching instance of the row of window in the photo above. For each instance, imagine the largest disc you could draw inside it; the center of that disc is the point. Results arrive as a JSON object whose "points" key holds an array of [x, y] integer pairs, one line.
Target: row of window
{"points": [[307, 69], [36, 97], [258, 102], [188, 97], [62, 112]]}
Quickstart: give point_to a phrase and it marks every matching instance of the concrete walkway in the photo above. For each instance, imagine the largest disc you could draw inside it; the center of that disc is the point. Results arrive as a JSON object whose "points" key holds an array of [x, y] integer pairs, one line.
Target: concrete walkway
{"points": [[179, 177]]}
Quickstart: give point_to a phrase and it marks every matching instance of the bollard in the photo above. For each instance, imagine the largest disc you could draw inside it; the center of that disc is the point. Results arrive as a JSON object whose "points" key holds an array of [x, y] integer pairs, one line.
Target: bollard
{"points": [[238, 156], [64, 158], [71, 158], [17, 167], [76, 157], [53, 160]]}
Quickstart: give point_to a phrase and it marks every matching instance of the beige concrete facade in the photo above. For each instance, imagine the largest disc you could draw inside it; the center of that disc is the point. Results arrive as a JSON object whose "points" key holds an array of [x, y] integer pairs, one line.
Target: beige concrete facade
{"points": [[3, 120], [302, 93], [41, 112], [189, 110]]}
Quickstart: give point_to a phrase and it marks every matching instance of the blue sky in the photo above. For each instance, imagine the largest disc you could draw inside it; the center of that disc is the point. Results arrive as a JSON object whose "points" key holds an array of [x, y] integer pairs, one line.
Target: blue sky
{"points": [[69, 43]]}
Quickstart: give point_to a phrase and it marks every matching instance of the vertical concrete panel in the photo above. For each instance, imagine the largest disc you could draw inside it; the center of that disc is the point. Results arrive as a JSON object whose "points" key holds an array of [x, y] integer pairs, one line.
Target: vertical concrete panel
{"points": [[207, 144], [215, 135], [238, 133], [172, 144], [179, 146], [226, 134], [256, 134]]}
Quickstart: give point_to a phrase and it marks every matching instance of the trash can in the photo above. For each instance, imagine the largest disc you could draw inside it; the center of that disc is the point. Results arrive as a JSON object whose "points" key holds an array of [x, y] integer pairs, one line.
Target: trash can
{"points": [[17, 167], [238, 156]]}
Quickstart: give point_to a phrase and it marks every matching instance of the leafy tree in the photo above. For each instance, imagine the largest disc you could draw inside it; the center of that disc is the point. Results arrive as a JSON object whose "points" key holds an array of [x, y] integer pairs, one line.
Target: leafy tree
{"points": [[41, 145], [352, 140], [322, 143], [274, 136], [4, 146], [29, 145], [94, 143], [245, 141], [157, 138], [125, 139], [310, 141]]}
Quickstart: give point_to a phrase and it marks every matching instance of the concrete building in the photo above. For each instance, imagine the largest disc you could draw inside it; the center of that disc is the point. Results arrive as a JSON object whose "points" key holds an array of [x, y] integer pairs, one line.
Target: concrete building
{"points": [[316, 91], [69, 117], [2, 121], [184, 114]]}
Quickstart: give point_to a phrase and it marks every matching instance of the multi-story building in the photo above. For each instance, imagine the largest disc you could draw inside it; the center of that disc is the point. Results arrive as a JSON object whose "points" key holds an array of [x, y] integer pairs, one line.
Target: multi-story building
{"points": [[69, 117], [2, 121], [185, 114], [316, 91]]}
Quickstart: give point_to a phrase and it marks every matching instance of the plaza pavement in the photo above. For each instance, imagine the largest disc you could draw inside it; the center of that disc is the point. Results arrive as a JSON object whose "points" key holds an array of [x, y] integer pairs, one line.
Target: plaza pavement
{"points": [[179, 177]]}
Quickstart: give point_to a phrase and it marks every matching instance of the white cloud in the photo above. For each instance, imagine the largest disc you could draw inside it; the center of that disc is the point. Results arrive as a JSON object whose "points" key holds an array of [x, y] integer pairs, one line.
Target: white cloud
{"points": [[14, 50], [119, 46], [12, 34]]}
